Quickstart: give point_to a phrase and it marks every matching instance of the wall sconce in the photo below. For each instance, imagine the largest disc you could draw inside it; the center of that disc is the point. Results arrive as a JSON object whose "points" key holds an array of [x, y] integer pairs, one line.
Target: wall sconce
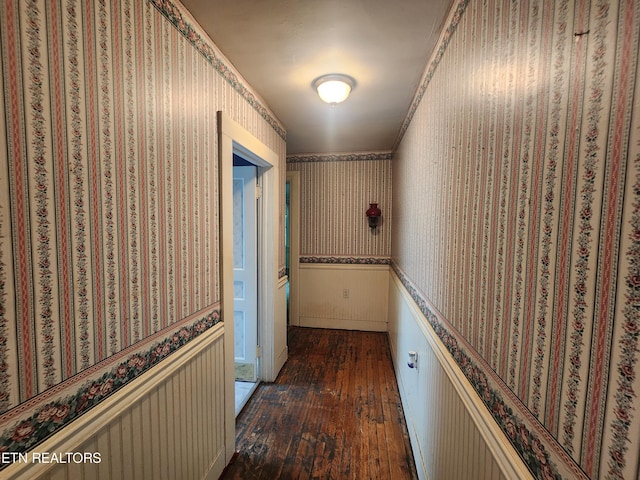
{"points": [[334, 88], [373, 214]]}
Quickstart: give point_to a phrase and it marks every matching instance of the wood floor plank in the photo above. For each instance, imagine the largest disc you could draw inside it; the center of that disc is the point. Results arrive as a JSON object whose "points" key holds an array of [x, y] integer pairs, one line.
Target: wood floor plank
{"points": [[334, 412]]}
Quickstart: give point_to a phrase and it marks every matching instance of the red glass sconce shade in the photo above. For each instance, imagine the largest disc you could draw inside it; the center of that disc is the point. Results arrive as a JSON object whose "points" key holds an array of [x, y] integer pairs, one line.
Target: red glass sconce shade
{"points": [[373, 215]]}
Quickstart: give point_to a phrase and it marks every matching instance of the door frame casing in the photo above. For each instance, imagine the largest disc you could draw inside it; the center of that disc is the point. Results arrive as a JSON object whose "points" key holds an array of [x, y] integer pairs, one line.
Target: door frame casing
{"points": [[233, 137]]}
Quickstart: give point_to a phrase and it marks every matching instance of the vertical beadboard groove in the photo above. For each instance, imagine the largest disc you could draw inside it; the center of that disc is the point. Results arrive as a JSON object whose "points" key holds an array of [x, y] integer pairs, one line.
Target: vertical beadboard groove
{"points": [[154, 432], [180, 396], [171, 436], [199, 407], [74, 471], [115, 438], [219, 360], [102, 445], [196, 429], [59, 475], [137, 441], [208, 417], [126, 438], [91, 470], [147, 428]]}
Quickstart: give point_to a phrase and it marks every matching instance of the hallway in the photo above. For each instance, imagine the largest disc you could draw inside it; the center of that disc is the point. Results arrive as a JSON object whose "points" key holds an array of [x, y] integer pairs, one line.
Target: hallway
{"points": [[333, 412]]}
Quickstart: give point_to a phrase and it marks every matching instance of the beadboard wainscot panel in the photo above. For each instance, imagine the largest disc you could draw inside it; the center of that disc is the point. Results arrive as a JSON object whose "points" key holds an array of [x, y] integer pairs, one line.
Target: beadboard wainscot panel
{"points": [[348, 296], [280, 330], [166, 424], [452, 434]]}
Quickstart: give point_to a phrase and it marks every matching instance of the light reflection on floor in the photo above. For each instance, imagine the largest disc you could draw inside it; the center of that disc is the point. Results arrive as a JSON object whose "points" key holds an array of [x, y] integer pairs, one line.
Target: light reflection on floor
{"points": [[243, 392]]}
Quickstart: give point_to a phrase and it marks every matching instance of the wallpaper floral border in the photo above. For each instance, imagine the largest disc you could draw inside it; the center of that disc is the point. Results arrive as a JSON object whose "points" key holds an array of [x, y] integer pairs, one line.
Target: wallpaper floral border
{"points": [[346, 260], [525, 438], [48, 418], [339, 157], [177, 18], [433, 64]]}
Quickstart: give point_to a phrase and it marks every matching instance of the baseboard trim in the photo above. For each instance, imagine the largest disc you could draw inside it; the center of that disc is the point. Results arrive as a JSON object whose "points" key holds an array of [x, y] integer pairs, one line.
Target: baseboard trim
{"points": [[344, 324]]}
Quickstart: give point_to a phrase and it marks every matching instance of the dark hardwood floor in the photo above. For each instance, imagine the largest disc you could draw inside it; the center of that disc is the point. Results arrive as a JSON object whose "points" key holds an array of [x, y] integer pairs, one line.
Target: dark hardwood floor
{"points": [[334, 412]]}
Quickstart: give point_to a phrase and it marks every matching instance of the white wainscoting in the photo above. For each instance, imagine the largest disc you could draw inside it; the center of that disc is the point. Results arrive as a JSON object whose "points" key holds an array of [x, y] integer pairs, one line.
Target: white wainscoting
{"points": [[280, 327], [452, 434], [167, 424], [351, 297]]}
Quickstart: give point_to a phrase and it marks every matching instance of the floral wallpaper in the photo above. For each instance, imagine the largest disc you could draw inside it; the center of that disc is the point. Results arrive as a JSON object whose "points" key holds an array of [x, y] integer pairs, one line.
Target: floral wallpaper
{"points": [[335, 192], [109, 238], [515, 222]]}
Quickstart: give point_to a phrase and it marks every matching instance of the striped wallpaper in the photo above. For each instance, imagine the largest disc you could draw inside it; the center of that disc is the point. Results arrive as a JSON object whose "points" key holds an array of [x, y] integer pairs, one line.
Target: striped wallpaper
{"points": [[109, 238], [516, 209], [335, 192]]}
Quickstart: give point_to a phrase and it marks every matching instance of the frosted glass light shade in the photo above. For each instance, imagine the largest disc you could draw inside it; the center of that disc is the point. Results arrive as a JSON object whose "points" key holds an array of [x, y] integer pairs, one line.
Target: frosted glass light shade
{"points": [[334, 91], [334, 88]]}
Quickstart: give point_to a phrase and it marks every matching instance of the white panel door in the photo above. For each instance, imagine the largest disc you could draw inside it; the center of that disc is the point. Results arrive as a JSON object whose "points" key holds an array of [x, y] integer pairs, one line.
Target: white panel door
{"points": [[245, 272]]}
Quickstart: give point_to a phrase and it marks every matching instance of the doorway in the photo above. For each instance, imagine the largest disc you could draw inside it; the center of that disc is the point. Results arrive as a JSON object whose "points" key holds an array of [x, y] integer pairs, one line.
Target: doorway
{"points": [[233, 138], [245, 279]]}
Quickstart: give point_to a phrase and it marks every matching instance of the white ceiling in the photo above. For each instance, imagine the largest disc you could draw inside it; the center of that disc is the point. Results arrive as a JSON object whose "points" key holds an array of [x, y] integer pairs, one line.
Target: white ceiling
{"points": [[281, 46]]}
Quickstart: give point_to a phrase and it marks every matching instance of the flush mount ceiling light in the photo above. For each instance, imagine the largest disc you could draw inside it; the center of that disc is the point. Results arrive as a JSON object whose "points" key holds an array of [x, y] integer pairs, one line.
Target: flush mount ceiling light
{"points": [[334, 88]]}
